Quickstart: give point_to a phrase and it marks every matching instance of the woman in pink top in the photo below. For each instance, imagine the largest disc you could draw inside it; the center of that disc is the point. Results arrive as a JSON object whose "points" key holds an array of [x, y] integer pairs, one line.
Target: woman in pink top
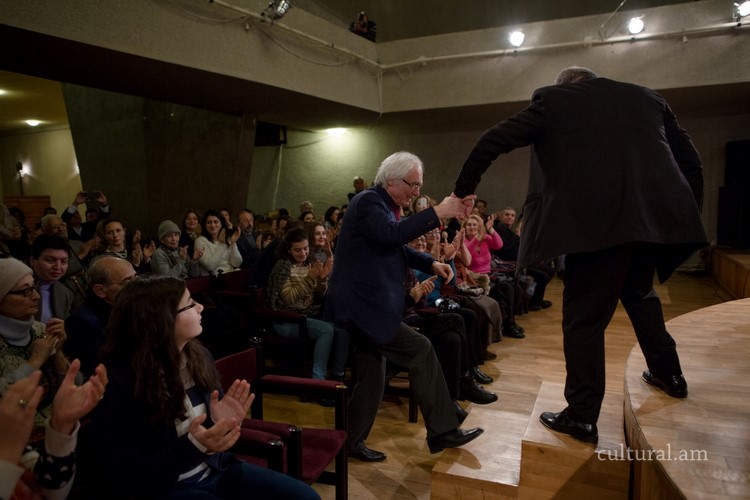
{"points": [[480, 239]]}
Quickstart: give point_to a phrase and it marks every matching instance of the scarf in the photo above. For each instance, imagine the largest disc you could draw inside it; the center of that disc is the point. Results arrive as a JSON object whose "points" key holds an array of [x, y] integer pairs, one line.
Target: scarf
{"points": [[16, 332]]}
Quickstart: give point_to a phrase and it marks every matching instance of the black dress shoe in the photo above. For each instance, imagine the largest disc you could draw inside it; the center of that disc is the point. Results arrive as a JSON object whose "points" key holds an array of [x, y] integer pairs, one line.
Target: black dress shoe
{"points": [[470, 391], [461, 414], [489, 356], [452, 439], [513, 330], [362, 452], [545, 304], [561, 422], [480, 376], [673, 385]]}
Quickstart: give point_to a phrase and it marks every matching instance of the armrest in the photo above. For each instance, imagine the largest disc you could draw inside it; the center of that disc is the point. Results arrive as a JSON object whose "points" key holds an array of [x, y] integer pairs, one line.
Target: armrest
{"points": [[261, 444]]}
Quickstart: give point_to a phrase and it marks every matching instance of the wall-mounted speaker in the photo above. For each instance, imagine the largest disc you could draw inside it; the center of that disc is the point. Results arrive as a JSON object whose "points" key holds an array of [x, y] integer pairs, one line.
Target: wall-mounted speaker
{"points": [[269, 134]]}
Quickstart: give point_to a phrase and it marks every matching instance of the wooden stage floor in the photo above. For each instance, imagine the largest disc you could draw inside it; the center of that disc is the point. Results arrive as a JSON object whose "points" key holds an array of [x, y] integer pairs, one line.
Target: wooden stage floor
{"points": [[527, 373]]}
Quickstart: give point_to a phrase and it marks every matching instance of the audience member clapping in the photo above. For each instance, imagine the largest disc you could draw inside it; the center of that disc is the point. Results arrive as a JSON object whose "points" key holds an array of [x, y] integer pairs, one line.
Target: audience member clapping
{"points": [[218, 245], [170, 259]]}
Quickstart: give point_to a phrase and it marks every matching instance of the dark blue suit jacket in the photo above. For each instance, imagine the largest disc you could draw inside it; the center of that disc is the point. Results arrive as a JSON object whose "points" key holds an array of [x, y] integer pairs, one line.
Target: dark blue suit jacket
{"points": [[366, 288], [610, 165]]}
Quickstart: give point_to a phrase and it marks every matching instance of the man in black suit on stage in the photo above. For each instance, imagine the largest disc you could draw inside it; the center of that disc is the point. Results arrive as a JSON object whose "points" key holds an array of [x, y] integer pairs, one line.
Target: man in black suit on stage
{"points": [[366, 297], [616, 185]]}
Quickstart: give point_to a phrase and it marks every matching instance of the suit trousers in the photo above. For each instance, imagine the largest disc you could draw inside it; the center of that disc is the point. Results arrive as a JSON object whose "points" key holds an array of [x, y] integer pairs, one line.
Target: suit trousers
{"points": [[594, 282], [413, 352]]}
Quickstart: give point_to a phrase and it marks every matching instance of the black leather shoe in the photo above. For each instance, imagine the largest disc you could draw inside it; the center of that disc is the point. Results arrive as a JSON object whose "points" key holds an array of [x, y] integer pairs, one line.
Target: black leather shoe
{"points": [[673, 385], [561, 422], [362, 452], [461, 414], [452, 439], [470, 391], [545, 304], [480, 376], [513, 330], [489, 356]]}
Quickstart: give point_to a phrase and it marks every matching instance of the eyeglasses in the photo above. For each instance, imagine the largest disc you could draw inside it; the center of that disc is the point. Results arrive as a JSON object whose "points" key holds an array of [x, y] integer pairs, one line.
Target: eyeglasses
{"points": [[415, 186], [26, 292], [187, 307]]}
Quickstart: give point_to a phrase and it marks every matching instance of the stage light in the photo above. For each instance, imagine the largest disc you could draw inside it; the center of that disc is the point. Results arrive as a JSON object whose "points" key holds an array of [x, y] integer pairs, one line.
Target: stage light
{"points": [[32, 123], [741, 10], [636, 25], [516, 38], [337, 132], [276, 9]]}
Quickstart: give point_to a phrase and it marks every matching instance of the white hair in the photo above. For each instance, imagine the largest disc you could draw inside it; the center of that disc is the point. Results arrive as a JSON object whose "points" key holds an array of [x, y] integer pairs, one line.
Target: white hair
{"points": [[397, 166]]}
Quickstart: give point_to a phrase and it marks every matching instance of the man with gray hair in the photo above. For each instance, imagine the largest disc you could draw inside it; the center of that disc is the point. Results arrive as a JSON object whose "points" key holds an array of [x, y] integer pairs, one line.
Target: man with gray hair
{"points": [[612, 157], [366, 298], [86, 325]]}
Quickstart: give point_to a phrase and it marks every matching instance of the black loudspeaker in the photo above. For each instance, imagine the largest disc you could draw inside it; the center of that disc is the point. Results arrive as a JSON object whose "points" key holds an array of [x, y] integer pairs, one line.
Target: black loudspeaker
{"points": [[268, 134], [737, 166], [733, 228]]}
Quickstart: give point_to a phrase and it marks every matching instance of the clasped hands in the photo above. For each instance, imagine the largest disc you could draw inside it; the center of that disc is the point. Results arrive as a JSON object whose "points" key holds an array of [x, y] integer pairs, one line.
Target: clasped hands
{"points": [[227, 414], [453, 206]]}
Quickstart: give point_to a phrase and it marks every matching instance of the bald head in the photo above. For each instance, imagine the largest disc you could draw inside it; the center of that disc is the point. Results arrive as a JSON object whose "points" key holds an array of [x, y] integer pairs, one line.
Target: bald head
{"points": [[107, 276]]}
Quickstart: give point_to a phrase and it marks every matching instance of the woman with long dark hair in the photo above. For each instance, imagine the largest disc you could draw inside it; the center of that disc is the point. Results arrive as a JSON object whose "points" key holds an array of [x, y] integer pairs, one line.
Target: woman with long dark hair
{"points": [[164, 427], [298, 285], [218, 245]]}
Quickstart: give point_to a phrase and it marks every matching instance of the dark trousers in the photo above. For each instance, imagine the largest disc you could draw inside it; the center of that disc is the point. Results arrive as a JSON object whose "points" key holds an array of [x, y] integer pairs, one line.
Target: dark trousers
{"points": [[594, 282], [542, 276], [414, 352], [447, 334]]}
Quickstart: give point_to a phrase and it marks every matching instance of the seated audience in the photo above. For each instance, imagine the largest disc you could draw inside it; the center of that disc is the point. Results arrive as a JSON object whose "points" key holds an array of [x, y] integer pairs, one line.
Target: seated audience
{"points": [[86, 324], [84, 231], [53, 459], [26, 344], [331, 218], [247, 243], [269, 255], [191, 230], [481, 238], [75, 278], [297, 286], [164, 427], [359, 185], [49, 260], [218, 245], [227, 218], [320, 248], [305, 206], [11, 244], [172, 260], [447, 333], [307, 217], [114, 242], [541, 273]]}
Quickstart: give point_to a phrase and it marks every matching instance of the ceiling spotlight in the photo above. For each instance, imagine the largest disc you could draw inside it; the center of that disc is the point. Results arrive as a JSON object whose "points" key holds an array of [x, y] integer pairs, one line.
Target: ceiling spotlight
{"points": [[516, 38], [32, 123], [741, 10], [636, 25], [337, 132], [276, 9]]}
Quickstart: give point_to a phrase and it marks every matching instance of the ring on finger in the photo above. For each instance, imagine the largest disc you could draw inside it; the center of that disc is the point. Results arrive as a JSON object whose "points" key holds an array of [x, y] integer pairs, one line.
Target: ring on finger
{"points": [[22, 403]]}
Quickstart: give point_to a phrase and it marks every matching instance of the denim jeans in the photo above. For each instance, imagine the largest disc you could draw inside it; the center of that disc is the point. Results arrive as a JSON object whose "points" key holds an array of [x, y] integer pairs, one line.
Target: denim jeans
{"points": [[325, 336]]}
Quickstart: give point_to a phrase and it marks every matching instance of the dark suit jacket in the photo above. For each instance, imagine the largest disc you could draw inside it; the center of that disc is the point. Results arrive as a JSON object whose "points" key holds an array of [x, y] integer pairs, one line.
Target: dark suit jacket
{"points": [[610, 165], [367, 285], [85, 328]]}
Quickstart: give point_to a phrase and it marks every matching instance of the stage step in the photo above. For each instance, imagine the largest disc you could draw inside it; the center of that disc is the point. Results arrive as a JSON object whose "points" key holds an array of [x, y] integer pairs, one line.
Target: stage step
{"points": [[489, 466], [554, 465]]}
